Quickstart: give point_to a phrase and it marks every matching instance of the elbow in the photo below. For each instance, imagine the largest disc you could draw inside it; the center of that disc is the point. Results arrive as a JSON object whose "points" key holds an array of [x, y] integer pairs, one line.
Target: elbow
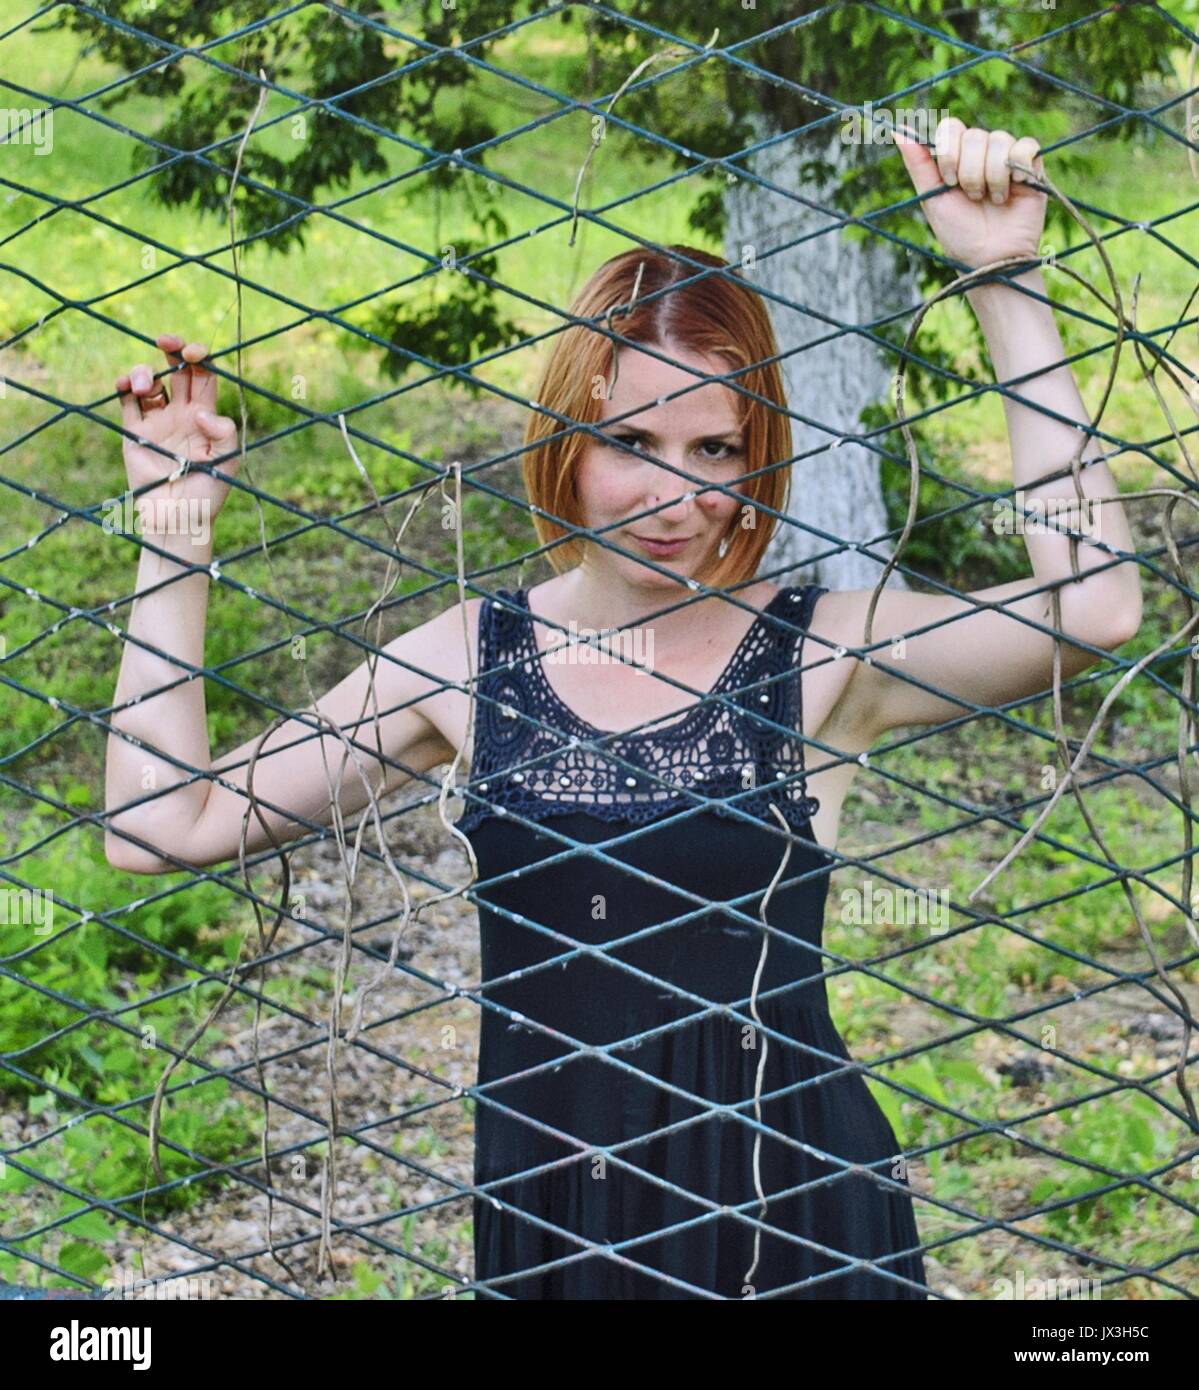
{"points": [[130, 858], [1122, 627], [1128, 614], [1103, 619]]}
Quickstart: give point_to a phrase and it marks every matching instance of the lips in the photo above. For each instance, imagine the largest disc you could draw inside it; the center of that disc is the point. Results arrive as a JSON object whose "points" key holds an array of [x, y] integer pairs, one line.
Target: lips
{"points": [[660, 547]]}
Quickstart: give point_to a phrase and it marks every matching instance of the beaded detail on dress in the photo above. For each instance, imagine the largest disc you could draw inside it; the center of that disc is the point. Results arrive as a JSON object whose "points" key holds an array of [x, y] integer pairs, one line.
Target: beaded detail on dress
{"points": [[735, 751]]}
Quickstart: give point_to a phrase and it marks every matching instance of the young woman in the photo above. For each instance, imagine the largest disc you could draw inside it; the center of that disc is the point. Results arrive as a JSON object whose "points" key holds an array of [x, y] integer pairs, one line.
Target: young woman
{"points": [[665, 1109]]}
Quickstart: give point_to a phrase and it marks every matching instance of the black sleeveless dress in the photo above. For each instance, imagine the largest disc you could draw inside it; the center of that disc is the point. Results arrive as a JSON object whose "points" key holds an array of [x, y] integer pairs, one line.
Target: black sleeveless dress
{"points": [[620, 1151]]}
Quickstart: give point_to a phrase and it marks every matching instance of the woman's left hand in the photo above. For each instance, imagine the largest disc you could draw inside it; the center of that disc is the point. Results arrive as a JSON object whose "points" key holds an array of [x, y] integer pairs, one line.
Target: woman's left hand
{"points": [[993, 211]]}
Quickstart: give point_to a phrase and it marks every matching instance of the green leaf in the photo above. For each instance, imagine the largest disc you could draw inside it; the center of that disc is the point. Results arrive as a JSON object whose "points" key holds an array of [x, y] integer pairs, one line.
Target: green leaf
{"points": [[91, 1225], [120, 1060], [367, 1279], [83, 1260], [921, 1075], [14, 1180], [962, 1070], [889, 1103], [1140, 1136], [1046, 1188]]}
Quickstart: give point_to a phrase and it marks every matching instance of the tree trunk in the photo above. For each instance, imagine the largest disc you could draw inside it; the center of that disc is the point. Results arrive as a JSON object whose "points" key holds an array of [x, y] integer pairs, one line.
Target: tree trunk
{"points": [[837, 492]]}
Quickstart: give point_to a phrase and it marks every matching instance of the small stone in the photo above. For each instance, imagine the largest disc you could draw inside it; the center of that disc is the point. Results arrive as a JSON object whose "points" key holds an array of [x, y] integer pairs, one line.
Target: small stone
{"points": [[1027, 1070], [1159, 1027]]}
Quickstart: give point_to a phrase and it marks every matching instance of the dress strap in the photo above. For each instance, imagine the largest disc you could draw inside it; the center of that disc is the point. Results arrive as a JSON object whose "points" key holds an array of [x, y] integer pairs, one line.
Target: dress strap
{"points": [[502, 624], [809, 594], [772, 679]]}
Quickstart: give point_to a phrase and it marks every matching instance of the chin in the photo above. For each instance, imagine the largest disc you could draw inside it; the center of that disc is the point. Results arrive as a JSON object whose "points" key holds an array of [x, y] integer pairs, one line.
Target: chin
{"points": [[655, 579]]}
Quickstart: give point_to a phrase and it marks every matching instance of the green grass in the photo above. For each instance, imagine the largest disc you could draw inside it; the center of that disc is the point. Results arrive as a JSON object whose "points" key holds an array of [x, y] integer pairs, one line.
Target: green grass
{"points": [[85, 1039]]}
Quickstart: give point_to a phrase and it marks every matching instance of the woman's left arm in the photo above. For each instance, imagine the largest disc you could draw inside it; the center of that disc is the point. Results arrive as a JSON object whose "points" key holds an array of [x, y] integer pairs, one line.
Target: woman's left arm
{"points": [[987, 655]]}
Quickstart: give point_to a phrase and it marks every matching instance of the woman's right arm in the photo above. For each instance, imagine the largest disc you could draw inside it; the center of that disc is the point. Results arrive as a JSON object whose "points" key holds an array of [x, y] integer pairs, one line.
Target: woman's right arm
{"points": [[162, 812]]}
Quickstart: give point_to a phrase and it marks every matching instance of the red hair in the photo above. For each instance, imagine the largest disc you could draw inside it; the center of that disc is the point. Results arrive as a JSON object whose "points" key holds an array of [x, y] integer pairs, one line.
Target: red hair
{"points": [[715, 316]]}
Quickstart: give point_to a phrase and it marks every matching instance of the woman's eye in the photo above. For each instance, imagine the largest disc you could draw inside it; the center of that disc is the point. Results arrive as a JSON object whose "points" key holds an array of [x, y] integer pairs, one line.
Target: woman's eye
{"points": [[723, 451], [631, 441]]}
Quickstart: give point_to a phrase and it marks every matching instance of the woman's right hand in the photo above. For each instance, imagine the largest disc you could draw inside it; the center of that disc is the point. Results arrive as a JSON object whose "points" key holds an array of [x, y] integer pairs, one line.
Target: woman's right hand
{"points": [[180, 419]]}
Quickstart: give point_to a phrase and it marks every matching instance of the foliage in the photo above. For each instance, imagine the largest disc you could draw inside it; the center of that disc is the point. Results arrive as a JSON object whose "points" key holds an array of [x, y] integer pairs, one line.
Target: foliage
{"points": [[336, 83], [334, 80], [82, 1049]]}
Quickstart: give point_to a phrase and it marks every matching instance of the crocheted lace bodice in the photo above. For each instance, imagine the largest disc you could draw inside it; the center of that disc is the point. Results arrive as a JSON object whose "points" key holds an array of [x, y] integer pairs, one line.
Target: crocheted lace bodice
{"points": [[736, 751]]}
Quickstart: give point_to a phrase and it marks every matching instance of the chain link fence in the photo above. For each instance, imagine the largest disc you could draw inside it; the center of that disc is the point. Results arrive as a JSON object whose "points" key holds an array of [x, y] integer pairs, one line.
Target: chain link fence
{"points": [[259, 1079]]}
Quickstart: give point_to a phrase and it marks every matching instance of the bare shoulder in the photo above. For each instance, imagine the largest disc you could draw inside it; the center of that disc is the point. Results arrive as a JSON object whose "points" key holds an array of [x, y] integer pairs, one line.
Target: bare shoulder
{"points": [[840, 615], [431, 667], [442, 649]]}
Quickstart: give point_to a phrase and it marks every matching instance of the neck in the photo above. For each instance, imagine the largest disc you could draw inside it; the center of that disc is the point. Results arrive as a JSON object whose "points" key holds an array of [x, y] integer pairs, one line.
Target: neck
{"points": [[600, 599]]}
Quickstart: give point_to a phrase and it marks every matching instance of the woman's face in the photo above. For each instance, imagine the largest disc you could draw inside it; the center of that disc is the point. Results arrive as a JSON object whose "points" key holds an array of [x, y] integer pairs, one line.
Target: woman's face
{"points": [[697, 434]]}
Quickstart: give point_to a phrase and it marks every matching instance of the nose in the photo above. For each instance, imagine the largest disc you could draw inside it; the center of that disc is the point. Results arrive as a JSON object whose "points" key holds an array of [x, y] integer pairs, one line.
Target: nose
{"points": [[673, 493]]}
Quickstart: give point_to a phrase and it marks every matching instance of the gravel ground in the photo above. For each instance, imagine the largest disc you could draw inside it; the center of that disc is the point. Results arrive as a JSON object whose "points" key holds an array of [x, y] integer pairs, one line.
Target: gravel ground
{"points": [[397, 1086]]}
